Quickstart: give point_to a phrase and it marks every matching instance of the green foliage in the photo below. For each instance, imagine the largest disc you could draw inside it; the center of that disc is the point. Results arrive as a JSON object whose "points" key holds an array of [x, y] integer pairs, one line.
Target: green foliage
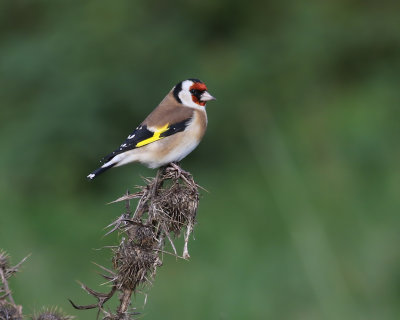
{"points": [[301, 154]]}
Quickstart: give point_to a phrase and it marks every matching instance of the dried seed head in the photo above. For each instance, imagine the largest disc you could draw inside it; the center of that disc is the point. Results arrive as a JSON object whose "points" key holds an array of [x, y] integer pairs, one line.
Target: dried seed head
{"points": [[51, 314], [9, 311], [142, 235], [134, 265], [177, 206]]}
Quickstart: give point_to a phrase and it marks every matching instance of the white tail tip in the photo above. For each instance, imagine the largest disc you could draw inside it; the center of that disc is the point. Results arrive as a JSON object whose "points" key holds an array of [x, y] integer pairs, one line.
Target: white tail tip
{"points": [[91, 176]]}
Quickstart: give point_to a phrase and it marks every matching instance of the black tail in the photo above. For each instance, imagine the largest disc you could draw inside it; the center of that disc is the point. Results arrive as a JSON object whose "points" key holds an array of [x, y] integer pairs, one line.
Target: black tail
{"points": [[96, 172]]}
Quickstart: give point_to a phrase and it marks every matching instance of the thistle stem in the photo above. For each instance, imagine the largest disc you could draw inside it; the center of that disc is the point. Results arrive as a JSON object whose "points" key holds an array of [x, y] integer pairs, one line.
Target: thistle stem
{"points": [[6, 287], [125, 301]]}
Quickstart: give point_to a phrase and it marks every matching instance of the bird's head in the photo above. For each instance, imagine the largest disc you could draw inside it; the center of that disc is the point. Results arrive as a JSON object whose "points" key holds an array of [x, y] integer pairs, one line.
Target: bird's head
{"points": [[192, 93]]}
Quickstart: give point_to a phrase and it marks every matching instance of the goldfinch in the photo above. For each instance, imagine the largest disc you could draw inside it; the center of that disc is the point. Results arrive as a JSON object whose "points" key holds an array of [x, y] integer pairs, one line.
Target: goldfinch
{"points": [[169, 133]]}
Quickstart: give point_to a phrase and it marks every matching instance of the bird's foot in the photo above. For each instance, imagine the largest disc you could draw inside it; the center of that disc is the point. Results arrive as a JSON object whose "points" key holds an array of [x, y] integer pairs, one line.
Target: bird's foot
{"points": [[180, 171]]}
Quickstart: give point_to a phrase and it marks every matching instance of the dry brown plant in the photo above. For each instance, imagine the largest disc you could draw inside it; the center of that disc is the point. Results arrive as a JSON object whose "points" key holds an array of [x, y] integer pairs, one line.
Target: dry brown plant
{"points": [[9, 310], [167, 207]]}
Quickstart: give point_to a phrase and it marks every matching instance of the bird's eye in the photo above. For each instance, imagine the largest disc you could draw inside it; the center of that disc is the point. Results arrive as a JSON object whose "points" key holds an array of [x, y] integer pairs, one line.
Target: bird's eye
{"points": [[193, 91]]}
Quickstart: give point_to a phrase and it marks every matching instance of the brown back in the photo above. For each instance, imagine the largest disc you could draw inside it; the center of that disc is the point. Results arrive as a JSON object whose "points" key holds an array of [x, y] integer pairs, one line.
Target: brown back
{"points": [[168, 111]]}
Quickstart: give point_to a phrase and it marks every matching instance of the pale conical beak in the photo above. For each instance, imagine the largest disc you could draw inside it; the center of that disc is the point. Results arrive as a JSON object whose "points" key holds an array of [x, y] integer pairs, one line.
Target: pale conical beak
{"points": [[206, 97]]}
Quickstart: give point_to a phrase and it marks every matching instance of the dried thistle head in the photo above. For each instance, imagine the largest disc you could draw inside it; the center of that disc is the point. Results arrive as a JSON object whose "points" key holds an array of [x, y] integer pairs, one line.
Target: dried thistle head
{"points": [[142, 235], [51, 314], [134, 264], [176, 206], [9, 311]]}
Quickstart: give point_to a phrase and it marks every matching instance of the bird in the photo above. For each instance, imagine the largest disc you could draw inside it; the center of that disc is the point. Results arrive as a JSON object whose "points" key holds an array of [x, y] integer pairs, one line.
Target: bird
{"points": [[169, 133]]}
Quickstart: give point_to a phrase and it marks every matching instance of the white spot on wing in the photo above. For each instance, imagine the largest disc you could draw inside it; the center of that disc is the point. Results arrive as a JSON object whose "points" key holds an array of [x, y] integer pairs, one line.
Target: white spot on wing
{"points": [[131, 136]]}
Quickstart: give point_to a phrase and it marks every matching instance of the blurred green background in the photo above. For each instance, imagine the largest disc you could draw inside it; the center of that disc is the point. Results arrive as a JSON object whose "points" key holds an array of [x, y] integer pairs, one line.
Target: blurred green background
{"points": [[301, 157]]}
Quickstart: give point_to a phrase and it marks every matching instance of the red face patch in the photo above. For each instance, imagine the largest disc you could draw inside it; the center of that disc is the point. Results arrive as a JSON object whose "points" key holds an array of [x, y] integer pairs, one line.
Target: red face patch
{"points": [[197, 89], [198, 86]]}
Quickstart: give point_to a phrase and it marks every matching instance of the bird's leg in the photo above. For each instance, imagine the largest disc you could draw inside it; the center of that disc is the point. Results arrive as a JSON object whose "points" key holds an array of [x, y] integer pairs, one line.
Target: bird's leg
{"points": [[182, 174]]}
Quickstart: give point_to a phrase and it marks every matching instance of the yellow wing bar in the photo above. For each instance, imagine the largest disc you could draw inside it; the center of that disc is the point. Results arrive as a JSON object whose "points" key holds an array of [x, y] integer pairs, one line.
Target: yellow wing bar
{"points": [[155, 137]]}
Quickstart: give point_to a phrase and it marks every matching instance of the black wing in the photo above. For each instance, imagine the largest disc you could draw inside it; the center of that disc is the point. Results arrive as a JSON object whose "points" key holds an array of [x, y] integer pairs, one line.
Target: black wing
{"points": [[141, 133]]}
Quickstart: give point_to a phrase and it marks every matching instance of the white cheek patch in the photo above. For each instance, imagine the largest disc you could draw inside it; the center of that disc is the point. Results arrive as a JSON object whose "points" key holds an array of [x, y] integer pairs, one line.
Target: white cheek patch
{"points": [[186, 98]]}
